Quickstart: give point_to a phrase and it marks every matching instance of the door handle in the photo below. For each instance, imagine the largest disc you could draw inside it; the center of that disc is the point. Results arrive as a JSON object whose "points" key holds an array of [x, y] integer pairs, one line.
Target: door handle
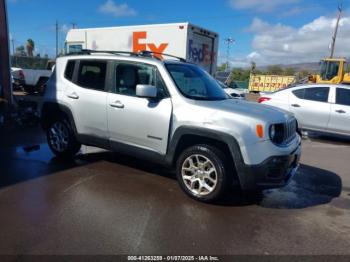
{"points": [[340, 111], [295, 105], [73, 95], [117, 104]]}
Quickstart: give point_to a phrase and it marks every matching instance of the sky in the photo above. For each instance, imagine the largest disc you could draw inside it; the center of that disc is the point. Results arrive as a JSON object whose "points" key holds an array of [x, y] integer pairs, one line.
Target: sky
{"points": [[265, 31]]}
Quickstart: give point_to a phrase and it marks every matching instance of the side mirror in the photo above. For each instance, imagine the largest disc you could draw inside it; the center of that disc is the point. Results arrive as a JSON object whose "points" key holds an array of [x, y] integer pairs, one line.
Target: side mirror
{"points": [[146, 91]]}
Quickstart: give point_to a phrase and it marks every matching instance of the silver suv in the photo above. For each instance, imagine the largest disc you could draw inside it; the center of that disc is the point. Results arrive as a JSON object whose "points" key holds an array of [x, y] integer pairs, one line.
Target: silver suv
{"points": [[171, 112]]}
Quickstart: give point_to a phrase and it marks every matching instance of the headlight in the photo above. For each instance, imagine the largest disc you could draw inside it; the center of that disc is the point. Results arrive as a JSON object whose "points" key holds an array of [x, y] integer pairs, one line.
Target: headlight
{"points": [[276, 133], [272, 132]]}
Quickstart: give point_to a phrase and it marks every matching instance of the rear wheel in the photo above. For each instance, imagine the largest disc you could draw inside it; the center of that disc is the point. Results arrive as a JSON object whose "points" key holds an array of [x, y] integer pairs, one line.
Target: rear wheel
{"points": [[61, 139], [202, 173], [40, 86]]}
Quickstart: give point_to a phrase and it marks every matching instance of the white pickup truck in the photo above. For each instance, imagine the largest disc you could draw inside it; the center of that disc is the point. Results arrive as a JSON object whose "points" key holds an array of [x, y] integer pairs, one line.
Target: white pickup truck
{"points": [[35, 79]]}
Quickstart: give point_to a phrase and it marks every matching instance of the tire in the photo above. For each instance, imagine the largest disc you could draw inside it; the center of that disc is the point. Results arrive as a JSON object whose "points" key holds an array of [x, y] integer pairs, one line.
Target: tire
{"points": [[29, 89], [40, 86], [61, 139], [193, 177]]}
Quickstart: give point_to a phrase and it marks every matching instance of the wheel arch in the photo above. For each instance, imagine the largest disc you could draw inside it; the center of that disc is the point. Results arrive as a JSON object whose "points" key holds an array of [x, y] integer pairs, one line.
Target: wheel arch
{"points": [[52, 111], [188, 136]]}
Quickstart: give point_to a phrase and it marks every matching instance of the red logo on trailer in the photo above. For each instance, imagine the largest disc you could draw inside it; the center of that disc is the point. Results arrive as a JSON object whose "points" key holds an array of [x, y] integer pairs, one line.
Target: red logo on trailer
{"points": [[137, 46]]}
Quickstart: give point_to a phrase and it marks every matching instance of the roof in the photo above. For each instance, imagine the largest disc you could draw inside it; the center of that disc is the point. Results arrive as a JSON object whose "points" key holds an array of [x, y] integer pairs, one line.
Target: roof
{"points": [[334, 59]]}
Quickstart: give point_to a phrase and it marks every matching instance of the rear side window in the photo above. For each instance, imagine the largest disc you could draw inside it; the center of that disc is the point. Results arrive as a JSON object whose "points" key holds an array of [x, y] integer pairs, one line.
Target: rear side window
{"points": [[319, 94], [300, 93], [343, 96], [68, 73], [92, 74]]}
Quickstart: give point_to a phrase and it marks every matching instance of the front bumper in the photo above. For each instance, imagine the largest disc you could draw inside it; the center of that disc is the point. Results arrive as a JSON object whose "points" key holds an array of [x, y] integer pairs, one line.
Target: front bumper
{"points": [[274, 172]]}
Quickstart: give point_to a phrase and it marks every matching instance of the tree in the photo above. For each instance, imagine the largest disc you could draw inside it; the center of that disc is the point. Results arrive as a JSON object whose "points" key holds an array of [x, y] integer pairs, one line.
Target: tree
{"points": [[239, 74], [20, 51], [30, 47], [304, 73], [275, 70], [252, 67], [222, 67], [289, 71]]}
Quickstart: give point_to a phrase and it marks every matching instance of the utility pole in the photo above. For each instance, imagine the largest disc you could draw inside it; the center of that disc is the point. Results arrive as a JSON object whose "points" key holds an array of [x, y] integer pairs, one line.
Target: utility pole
{"points": [[340, 10], [13, 45], [56, 38], [229, 41], [5, 75], [13, 50]]}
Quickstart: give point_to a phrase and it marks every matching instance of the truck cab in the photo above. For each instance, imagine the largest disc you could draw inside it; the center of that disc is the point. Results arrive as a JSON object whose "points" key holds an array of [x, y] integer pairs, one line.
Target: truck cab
{"points": [[332, 71]]}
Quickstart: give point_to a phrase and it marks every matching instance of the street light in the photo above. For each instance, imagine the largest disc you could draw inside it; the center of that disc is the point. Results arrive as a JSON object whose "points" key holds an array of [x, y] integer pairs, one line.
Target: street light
{"points": [[229, 41]]}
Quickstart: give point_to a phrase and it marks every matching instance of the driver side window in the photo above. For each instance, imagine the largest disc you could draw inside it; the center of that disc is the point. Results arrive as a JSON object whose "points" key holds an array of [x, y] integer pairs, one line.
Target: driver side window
{"points": [[129, 75]]}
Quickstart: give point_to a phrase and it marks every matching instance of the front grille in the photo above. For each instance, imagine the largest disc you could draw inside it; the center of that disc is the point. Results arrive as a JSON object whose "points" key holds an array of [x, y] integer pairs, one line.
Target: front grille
{"points": [[290, 129]]}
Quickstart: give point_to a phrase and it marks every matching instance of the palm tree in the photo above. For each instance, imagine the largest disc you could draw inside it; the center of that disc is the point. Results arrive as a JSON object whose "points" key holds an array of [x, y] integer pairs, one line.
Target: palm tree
{"points": [[30, 47]]}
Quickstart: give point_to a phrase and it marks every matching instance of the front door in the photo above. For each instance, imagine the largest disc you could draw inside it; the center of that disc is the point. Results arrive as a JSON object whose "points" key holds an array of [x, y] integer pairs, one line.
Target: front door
{"points": [[311, 107], [340, 112], [139, 122]]}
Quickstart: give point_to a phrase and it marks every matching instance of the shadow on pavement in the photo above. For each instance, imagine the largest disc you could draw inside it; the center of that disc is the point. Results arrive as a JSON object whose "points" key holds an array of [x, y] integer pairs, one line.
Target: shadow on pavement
{"points": [[310, 187], [328, 138]]}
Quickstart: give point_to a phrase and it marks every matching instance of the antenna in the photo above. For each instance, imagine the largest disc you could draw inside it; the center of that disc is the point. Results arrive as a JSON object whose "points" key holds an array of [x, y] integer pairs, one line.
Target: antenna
{"points": [[340, 10]]}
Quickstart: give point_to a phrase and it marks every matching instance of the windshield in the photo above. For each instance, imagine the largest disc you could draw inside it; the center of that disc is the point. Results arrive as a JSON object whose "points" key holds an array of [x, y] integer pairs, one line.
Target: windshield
{"points": [[329, 70], [195, 83]]}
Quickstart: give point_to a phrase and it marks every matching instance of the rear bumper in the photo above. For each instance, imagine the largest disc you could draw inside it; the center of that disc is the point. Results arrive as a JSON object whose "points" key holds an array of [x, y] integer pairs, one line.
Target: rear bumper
{"points": [[274, 172], [18, 82]]}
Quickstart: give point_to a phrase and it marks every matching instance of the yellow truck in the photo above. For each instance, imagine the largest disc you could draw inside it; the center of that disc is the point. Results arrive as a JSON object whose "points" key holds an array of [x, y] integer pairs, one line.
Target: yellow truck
{"points": [[269, 83], [332, 71]]}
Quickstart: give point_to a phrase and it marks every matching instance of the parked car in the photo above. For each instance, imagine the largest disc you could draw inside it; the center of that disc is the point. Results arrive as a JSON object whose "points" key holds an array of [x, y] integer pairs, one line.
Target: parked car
{"points": [[324, 108], [233, 92], [18, 79], [172, 113]]}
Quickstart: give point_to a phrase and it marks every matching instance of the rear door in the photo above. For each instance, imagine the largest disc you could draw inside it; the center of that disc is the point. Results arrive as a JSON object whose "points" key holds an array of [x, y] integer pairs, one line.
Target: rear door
{"points": [[340, 112], [311, 107], [86, 95]]}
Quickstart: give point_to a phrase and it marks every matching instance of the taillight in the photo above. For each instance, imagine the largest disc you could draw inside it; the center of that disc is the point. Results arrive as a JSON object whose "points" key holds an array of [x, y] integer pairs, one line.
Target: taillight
{"points": [[21, 74], [264, 99]]}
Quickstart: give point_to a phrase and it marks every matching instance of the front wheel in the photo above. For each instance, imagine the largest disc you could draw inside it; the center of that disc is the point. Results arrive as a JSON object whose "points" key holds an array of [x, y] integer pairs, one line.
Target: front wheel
{"points": [[61, 139], [202, 174]]}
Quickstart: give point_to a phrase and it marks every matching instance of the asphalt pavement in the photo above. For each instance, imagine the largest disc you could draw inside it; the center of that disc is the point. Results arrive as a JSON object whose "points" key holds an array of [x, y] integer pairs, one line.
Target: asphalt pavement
{"points": [[106, 203]]}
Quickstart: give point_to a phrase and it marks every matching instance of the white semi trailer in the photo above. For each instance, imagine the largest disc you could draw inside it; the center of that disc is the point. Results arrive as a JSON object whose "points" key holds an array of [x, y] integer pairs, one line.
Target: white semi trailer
{"points": [[193, 43]]}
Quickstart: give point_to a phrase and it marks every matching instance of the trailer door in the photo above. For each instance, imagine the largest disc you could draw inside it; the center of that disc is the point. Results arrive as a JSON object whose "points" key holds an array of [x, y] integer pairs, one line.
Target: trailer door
{"points": [[202, 49]]}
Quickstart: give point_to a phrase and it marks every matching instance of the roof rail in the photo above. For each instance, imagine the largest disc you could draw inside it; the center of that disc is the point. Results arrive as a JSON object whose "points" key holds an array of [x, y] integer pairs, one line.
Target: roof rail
{"points": [[89, 52], [139, 54], [151, 54]]}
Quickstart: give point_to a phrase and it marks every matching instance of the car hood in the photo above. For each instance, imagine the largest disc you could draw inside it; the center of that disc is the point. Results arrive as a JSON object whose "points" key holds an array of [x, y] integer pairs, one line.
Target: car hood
{"points": [[248, 109]]}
